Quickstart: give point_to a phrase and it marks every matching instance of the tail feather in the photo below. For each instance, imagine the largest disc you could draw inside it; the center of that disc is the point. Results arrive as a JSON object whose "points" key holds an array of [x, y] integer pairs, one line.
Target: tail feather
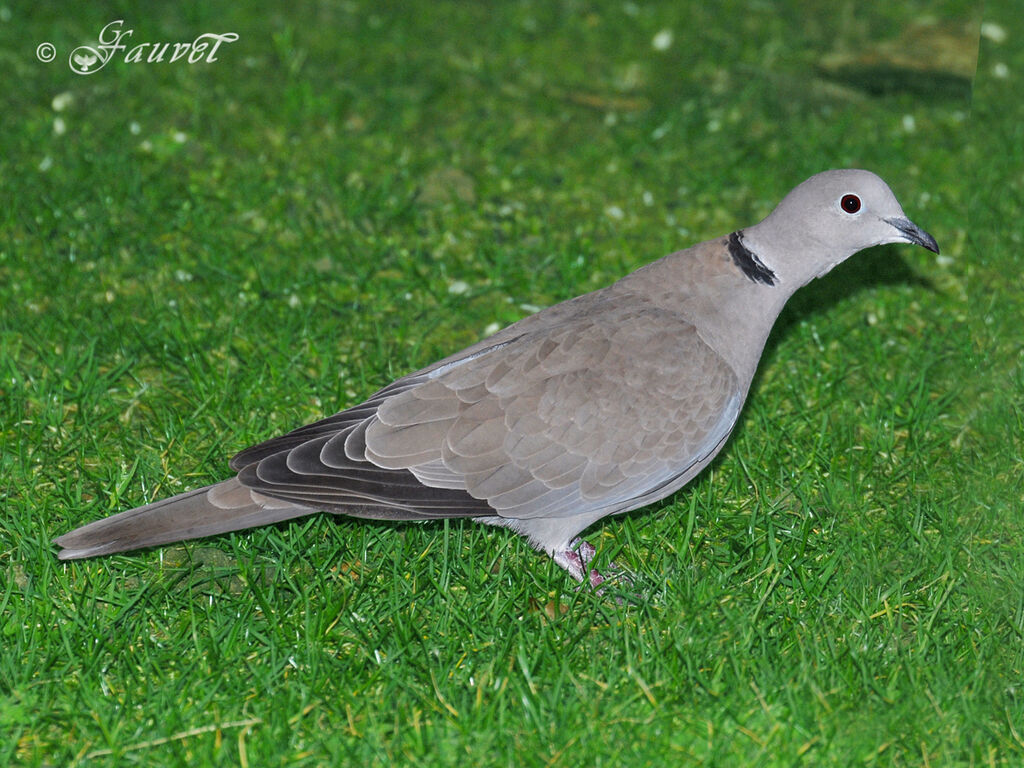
{"points": [[219, 508]]}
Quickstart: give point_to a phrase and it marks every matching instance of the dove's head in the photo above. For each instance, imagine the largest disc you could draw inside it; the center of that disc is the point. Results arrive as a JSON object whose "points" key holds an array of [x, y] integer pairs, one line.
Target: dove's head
{"points": [[827, 219]]}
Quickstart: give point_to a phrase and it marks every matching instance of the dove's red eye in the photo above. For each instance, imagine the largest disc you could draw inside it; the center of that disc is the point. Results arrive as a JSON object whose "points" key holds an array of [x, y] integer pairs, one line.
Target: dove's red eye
{"points": [[850, 203]]}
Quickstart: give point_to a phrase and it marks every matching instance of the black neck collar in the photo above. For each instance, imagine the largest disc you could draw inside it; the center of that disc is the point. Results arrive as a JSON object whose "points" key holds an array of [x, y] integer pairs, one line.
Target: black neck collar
{"points": [[747, 260]]}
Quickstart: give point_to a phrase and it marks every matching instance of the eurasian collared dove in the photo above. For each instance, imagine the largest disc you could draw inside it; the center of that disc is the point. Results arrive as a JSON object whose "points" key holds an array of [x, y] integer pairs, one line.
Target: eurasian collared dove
{"points": [[589, 408]]}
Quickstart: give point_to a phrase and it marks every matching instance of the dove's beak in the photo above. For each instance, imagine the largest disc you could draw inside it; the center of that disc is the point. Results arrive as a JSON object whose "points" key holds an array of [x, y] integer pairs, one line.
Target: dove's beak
{"points": [[914, 234]]}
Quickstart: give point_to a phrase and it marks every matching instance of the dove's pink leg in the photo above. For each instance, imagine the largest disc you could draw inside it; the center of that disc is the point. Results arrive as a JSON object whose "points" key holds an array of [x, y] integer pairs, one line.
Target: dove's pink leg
{"points": [[574, 560]]}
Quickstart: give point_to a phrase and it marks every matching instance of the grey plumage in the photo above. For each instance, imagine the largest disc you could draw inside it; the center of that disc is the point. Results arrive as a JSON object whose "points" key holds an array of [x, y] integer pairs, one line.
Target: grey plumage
{"points": [[592, 407]]}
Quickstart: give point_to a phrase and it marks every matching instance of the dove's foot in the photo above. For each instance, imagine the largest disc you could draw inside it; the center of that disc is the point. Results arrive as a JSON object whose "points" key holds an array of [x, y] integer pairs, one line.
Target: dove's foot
{"points": [[575, 560]]}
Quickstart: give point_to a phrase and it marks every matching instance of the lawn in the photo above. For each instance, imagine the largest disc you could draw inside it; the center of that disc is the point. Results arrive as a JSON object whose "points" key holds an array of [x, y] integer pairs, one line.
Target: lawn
{"points": [[195, 257]]}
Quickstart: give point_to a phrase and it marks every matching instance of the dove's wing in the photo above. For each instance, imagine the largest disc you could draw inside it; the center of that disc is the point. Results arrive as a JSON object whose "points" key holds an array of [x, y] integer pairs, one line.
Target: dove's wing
{"points": [[604, 412]]}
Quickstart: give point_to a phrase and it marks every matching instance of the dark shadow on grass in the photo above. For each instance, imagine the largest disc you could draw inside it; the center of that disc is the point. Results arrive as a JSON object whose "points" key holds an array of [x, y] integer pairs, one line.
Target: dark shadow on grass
{"points": [[873, 268]]}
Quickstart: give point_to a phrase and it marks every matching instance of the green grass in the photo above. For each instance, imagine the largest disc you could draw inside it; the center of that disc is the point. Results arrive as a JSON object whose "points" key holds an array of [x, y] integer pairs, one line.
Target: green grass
{"points": [[209, 255]]}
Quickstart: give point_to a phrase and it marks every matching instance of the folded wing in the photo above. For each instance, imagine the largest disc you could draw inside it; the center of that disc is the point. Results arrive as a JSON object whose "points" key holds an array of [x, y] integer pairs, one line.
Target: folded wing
{"points": [[607, 410]]}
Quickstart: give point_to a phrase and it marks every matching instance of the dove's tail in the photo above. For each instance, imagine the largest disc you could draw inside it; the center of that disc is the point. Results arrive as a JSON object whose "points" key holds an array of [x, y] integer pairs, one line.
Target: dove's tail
{"points": [[219, 508]]}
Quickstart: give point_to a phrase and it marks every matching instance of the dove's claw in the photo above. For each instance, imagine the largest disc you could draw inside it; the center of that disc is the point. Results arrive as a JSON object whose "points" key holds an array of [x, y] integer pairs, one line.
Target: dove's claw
{"points": [[575, 558]]}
